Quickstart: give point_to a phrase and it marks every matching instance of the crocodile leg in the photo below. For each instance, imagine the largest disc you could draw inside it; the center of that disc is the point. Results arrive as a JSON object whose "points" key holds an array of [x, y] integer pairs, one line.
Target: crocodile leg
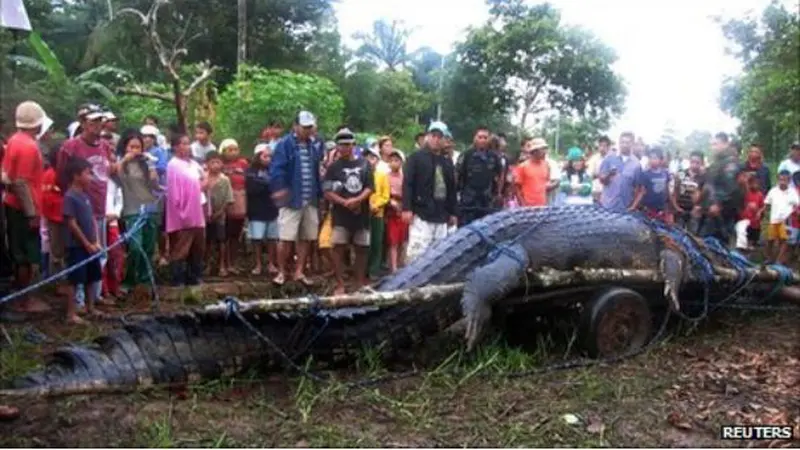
{"points": [[489, 283], [672, 266]]}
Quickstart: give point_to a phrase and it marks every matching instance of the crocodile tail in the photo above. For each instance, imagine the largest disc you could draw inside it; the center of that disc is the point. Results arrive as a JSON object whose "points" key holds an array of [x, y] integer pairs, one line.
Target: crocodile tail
{"points": [[175, 349]]}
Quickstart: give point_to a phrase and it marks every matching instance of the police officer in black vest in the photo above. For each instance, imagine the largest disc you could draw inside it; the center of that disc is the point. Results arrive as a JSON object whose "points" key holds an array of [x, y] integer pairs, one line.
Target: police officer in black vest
{"points": [[478, 175]]}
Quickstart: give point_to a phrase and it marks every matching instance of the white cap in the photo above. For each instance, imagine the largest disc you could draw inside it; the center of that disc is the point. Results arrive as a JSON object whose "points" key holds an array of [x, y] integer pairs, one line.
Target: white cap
{"points": [[109, 116], [47, 122], [262, 147], [149, 130], [306, 119], [72, 128]]}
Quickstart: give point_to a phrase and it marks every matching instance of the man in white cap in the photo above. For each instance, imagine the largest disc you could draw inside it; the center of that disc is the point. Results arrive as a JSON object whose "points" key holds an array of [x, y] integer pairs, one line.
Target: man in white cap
{"points": [[297, 189], [429, 193], [98, 152], [22, 172], [110, 122]]}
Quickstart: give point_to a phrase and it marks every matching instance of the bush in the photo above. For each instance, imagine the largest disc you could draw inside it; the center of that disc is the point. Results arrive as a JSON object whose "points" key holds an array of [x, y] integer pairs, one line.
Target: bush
{"points": [[258, 95]]}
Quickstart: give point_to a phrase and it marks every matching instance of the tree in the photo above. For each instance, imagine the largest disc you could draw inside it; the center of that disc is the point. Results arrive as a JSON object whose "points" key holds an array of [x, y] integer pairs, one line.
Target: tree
{"points": [[670, 142], [258, 95], [386, 44], [698, 141], [766, 96], [534, 63], [169, 57]]}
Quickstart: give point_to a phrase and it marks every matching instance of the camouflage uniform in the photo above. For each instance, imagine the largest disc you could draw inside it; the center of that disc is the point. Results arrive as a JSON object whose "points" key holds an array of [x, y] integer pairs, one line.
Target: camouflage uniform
{"points": [[722, 187]]}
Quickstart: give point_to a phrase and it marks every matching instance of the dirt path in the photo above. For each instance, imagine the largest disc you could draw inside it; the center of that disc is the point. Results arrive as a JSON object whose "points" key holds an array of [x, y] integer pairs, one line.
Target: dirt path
{"points": [[737, 369]]}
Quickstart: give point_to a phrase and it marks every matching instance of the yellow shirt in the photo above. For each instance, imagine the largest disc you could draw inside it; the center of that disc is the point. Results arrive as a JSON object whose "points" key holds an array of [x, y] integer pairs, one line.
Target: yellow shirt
{"points": [[380, 198]]}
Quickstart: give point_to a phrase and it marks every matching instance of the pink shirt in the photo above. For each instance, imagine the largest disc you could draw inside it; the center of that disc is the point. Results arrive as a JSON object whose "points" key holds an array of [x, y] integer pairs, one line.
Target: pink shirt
{"points": [[184, 199]]}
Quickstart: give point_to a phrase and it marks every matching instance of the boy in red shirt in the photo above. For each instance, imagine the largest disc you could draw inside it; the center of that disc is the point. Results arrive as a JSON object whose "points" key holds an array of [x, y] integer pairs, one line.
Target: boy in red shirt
{"points": [[748, 229], [234, 168], [52, 205]]}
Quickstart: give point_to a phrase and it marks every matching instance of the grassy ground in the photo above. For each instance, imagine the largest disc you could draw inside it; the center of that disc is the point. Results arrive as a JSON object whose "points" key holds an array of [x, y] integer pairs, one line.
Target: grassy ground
{"points": [[738, 368]]}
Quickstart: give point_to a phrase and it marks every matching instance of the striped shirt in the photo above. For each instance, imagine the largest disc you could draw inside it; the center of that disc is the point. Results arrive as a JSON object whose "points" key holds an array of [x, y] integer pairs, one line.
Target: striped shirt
{"points": [[308, 188]]}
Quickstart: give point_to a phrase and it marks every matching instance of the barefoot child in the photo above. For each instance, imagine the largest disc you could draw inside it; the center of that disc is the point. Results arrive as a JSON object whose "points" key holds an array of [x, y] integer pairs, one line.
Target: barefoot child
{"points": [[234, 167], [748, 228], [396, 228], [377, 205], [82, 237], [220, 196], [262, 214], [782, 202]]}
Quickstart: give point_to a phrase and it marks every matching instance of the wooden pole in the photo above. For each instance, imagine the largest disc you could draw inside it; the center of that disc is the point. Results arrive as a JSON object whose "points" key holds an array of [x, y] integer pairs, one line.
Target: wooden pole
{"points": [[241, 34], [545, 281]]}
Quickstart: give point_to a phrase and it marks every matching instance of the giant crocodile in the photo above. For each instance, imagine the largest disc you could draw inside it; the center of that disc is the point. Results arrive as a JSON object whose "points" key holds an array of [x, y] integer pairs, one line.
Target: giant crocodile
{"points": [[490, 256]]}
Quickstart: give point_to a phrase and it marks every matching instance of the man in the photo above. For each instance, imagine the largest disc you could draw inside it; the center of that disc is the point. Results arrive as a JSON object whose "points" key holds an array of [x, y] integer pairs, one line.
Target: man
{"points": [[98, 152], [619, 174], [593, 165], [555, 177], [295, 174], [479, 173], [532, 175], [22, 174], [429, 193], [110, 122], [755, 166], [506, 182], [688, 185], [450, 148], [792, 163], [722, 194], [419, 141], [348, 185]]}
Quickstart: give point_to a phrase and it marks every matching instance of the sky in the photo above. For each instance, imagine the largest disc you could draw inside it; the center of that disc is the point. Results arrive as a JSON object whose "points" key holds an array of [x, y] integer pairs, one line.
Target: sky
{"points": [[671, 54]]}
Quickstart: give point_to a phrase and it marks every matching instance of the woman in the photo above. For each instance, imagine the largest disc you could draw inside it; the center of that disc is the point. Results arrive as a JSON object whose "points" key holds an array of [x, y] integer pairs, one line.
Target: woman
{"points": [[576, 183], [138, 179], [185, 213]]}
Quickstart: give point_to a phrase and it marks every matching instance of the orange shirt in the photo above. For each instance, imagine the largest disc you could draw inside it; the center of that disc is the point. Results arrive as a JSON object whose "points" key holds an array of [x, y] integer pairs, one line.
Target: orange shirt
{"points": [[23, 161], [532, 177]]}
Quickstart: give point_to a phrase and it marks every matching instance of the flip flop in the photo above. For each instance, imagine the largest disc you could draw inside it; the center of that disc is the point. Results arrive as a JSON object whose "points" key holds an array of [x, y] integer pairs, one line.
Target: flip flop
{"points": [[305, 281], [279, 280]]}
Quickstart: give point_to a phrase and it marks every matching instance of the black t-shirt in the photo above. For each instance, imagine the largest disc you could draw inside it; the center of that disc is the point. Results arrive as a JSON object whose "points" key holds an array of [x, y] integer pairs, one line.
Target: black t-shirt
{"points": [[348, 179]]}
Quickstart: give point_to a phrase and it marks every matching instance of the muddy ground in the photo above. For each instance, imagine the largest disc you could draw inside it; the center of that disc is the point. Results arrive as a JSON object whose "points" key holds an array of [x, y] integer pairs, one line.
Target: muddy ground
{"points": [[738, 368]]}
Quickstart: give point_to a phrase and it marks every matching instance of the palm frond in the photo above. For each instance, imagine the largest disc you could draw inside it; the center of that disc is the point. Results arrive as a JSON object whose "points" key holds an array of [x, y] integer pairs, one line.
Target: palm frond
{"points": [[28, 62], [49, 59]]}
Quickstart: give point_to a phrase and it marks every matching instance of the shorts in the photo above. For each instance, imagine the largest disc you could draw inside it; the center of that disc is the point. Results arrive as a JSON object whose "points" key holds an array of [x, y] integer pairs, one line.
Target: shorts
{"points": [[86, 274], [396, 230], [259, 230], [422, 235], [294, 224], [343, 236], [326, 233], [777, 232], [234, 227], [24, 242], [215, 231]]}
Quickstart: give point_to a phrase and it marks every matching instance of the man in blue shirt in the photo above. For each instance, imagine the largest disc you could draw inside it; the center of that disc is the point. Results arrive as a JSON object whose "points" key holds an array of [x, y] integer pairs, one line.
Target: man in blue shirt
{"points": [[296, 187], [620, 175]]}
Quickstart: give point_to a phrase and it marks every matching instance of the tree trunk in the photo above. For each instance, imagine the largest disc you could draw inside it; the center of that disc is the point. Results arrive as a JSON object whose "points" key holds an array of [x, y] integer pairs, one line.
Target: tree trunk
{"points": [[242, 35], [180, 106]]}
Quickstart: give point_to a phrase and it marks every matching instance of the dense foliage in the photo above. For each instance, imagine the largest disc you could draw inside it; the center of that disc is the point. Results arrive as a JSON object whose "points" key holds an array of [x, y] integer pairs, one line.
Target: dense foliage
{"points": [[258, 95], [766, 97]]}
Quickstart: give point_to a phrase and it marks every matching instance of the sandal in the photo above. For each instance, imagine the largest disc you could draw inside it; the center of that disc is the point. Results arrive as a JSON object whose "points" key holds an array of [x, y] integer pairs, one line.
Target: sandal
{"points": [[279, 280], [76, 320], [256, 271]]}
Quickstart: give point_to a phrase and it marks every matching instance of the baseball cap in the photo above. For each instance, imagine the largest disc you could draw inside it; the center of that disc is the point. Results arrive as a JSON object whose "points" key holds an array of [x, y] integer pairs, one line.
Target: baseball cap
{"points": [[399, 153], [306, 119], [90, 112], [538, 143], [109, 116], [344, 136], [149, 130], [262, 147], [372, 151], [440, 127]]}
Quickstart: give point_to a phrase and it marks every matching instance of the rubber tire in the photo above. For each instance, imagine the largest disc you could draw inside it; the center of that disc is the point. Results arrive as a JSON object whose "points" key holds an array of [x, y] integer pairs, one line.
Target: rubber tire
{"points": [[604, 302]]}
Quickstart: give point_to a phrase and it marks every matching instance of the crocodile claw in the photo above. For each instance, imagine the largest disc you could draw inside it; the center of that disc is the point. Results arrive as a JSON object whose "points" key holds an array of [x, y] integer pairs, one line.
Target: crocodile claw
{"points": [[477, 318]]}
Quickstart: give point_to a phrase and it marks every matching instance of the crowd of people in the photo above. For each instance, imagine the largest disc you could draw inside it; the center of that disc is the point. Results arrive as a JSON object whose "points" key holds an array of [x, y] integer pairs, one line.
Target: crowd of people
{"points": [[310, 206]]}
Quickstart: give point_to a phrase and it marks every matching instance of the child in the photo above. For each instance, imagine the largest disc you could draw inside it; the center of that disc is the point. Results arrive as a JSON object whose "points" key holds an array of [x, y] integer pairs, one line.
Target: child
{"points": [[52, 205], [396, 228], [112, 272], [220, 198], [82, 237], [262, 214], [185, 203], [576, 183], [748, 229], [652, 194], [234, 168], [377, 204], [159, 157], [202, 141], [782, 202], [326, 228]]}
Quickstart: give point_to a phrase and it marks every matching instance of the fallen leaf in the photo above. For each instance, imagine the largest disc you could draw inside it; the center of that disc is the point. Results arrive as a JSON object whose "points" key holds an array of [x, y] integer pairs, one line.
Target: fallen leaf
{"points": [[571, 419], [676, 420]]}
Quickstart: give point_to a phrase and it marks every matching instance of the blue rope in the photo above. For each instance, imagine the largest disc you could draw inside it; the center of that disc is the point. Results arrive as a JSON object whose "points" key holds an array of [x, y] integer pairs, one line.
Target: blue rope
{"points": [[138, 224]]}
